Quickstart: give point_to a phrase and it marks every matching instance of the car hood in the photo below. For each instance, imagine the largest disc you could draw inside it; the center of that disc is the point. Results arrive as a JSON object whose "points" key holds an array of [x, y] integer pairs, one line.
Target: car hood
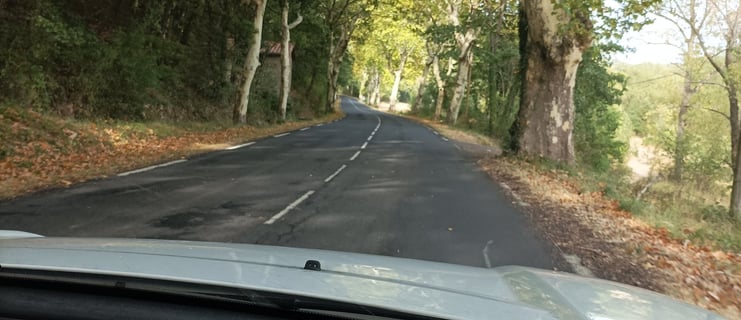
{"points": [[405, 285]]}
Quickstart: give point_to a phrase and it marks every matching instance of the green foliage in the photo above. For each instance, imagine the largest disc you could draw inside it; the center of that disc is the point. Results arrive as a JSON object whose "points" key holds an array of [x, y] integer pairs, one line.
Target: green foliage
{"points": [[585, 19], [94, 61], [596, 120], [142, 60]]}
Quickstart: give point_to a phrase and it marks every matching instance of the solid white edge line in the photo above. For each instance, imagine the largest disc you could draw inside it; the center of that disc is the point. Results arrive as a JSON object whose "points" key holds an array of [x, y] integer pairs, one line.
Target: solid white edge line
{"points": [[290, 207], [335, 173], [364, 145], [281, 135], [240, 146], [304, 129], [355, 155], [151, 167]]}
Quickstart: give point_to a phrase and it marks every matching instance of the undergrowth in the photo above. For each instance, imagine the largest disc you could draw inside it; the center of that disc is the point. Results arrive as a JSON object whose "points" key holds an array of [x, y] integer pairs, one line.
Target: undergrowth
{"points": [[685, 212]]}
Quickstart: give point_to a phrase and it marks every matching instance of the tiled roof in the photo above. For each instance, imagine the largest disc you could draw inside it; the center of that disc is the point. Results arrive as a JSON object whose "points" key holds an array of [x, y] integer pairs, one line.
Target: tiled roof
{"points": [[273, 48]]}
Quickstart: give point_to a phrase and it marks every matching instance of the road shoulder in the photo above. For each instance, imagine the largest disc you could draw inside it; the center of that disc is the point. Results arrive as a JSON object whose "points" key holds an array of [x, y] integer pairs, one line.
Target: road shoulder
{"points": [[593, 233]]}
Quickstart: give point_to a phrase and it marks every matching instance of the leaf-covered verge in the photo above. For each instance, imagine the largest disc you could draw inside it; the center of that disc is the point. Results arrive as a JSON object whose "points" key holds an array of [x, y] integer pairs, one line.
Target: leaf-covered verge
{"points": [[617, 246], [40, 151], [612, 243]]}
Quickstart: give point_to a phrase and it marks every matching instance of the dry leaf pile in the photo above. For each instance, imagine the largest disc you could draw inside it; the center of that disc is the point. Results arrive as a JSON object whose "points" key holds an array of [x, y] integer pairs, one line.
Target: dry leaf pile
{"points": [[616, 246]]}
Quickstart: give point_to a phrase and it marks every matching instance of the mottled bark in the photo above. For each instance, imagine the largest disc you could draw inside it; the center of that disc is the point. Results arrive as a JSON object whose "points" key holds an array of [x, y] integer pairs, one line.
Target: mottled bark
{"points": [[285, 58], [397, 80], [373, 87], [337, 49], [459, 92], [421, 82], [546, 116], [440, 88], [252, 62], [377, 90], [464, 41]]}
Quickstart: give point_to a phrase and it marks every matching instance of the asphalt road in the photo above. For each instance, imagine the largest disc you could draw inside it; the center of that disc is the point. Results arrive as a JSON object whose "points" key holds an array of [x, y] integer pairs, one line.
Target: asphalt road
{"points": [[369, 183]]}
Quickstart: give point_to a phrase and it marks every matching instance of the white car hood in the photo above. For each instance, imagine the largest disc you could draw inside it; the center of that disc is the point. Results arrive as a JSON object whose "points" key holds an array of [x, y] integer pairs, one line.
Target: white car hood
{"points": [[410, 286]]}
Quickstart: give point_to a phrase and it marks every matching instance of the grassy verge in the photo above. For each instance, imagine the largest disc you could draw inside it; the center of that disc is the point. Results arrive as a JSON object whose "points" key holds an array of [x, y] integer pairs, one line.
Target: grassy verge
{"points": [[41, 151], [683, 212]]}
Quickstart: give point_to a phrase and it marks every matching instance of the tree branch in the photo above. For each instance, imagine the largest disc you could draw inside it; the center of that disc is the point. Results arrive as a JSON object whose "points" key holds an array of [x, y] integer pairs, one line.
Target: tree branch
{"points": [[718, 112], [296, 22], [710, 83]]}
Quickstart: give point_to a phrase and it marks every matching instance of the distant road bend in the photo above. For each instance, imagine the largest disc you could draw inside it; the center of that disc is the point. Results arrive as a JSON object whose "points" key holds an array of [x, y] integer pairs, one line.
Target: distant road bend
{"points": [[370, 183]]}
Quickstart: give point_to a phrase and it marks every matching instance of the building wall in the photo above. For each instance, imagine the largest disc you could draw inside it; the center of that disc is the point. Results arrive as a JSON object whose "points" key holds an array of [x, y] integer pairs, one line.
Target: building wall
{"points": [[267, 79]]}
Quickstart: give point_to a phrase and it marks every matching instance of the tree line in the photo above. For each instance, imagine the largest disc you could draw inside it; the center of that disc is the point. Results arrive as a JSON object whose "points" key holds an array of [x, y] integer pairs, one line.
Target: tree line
{"points": [[168, 59], [538, 74]]}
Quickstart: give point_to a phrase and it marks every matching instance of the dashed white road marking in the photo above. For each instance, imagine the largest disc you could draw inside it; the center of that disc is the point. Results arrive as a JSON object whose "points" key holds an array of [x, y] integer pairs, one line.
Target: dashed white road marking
{"points": [[304, 129], [364, 145], [290, 207], [485, 251], [151, 167], [445, 139], [240, 146], [319, 125], [370, 137], [335, 173], [436, 133], [355, 155], [281, 135]]}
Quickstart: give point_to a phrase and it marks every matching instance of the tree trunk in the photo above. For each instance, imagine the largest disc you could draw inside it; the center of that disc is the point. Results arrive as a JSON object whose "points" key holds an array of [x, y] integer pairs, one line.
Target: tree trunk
{"points": [[735, 210], [733, 108], [229, 64], [687, 92], [252, 62], [464, 69], [397, 81], [285, 57], [332, 75], [372, 86], [336, 53], [377, 89], [421, 85], [363, 81], [679, 147], [440, 88], [491, 85], [472, 98], [464, 42], [285, 61], [546, 116]]}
